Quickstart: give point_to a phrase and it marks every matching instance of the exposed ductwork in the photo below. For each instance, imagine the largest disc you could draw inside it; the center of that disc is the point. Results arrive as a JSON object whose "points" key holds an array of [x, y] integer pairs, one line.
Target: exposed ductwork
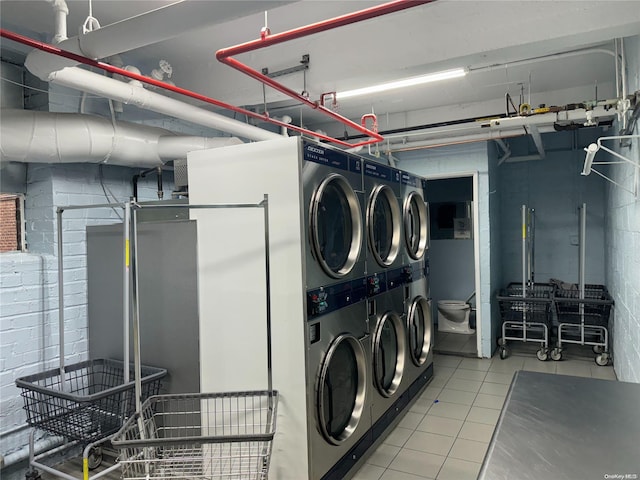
{"points": [[43, 137]]}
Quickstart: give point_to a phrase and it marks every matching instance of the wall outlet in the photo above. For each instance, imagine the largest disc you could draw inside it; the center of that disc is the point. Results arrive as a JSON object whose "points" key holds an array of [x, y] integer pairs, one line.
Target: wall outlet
{"points": [[574, 240]]}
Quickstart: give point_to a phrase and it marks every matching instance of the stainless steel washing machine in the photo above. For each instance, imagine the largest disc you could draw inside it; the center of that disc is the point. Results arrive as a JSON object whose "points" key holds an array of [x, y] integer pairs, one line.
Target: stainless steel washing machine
{"points": [[333, 213], [338, 385], [383, 217], [415, 217], [419, 326], [388, 356]]}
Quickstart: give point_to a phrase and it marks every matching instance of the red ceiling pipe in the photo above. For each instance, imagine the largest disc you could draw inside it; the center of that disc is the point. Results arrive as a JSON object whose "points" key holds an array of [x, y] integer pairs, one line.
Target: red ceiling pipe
{"points": [[266, 39], [151, 81]]}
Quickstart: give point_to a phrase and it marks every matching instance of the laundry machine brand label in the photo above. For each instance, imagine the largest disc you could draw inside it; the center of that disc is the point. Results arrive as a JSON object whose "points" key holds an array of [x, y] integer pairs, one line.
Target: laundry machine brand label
{"points": [[377, 171], [331, 158], [408, 179]]}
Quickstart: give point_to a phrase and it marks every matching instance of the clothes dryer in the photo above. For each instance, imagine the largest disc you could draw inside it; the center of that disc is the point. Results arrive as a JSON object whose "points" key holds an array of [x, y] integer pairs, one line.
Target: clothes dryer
{"points": [[415, 216], [383, 218], [389, 357], [338, 386], [333, 212], [419, 325]]}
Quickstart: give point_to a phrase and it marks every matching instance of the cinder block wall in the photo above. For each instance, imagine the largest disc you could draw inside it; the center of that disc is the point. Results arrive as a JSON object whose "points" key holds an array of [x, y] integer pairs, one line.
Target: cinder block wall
{"points": [[29, 281], [622, 241]]}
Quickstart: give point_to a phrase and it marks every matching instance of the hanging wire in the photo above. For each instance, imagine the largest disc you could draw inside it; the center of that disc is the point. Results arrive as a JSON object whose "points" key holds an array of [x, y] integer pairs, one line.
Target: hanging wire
{"points": [[105, 188], [42, 90]]}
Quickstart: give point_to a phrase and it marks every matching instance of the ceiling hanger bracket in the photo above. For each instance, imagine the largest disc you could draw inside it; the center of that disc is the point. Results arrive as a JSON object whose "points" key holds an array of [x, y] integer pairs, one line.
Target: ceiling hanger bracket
{"points": [[304, 65]]}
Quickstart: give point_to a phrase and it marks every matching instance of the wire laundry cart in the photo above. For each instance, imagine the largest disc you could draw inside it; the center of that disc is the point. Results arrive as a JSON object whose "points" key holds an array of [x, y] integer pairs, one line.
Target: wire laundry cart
{"points": [[84, 402], [526, 316], [204, 435], [583, 319]]}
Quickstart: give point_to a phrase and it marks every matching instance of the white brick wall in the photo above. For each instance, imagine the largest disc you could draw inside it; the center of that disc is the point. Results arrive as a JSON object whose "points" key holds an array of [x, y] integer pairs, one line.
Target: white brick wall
{"points": [[623, 244], [28, 281]]}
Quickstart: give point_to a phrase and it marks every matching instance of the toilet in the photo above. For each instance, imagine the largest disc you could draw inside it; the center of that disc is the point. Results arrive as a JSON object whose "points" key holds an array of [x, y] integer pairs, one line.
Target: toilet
{"points": [[453, 317]]}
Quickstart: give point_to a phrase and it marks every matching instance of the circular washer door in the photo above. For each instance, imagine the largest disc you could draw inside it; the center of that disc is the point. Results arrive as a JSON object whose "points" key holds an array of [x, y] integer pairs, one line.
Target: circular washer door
{"points": [[416, 232], [336, 226], [419, 328], [341, 389], [388, 353], [383, 221]]}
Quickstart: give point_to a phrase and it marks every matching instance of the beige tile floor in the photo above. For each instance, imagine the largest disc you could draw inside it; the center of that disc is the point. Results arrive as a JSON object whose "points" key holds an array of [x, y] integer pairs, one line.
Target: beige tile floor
{"points": [[447, 431]]}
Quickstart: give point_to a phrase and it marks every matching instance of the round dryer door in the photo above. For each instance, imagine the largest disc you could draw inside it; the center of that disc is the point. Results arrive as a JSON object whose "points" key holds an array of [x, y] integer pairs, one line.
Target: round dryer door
{"points": [[383, 220], [336, 226], [419, 327], [341, 389], [416, 228], [388, 353]]}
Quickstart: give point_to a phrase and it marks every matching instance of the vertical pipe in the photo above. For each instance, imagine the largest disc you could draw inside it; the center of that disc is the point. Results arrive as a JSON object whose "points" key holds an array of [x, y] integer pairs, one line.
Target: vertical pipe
{"points": [[136, 310], [126, 290], [617, 69], [265, 206], [624, 80], [60, 297]]}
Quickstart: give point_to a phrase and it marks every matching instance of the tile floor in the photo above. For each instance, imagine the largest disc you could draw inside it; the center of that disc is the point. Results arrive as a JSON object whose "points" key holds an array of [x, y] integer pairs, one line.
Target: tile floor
{"points": [[455, 343], [447, 439], [447, 431]]}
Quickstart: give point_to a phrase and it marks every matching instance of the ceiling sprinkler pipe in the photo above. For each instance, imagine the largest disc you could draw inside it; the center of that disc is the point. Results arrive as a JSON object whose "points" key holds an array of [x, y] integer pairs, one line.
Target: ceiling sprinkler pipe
{"points": [[225, 56], [86, 81]]}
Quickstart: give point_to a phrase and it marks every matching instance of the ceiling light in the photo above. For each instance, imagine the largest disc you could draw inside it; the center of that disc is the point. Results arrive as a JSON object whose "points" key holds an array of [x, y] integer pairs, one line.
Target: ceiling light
{"points": [[407, 82]]}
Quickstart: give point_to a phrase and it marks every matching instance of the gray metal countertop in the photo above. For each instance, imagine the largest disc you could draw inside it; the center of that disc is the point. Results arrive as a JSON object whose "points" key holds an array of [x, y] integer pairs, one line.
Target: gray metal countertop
{"points": [[566, 428]]}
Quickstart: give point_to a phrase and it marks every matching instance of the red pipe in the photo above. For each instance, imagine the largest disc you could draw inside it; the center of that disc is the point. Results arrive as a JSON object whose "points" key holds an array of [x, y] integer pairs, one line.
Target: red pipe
{"points": [[266, 39], [45, 47]]}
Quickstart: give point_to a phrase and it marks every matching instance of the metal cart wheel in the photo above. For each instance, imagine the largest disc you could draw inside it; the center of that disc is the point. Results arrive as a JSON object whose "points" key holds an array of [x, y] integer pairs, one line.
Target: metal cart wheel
{"points": [[95, 457], [597, 349], [603, 359], [504, 353], [33, 475], [542, 354], [501, 342], [556, 354]]}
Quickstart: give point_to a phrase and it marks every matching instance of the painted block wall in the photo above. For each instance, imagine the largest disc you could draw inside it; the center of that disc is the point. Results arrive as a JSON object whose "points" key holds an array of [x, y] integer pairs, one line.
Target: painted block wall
{"points": [[555, 189], [452, 161], [622, 241], [28, 281]]}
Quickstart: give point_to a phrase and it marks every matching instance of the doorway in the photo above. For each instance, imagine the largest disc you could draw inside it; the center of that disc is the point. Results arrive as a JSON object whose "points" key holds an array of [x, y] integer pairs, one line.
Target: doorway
{"points": [[454, 267]]}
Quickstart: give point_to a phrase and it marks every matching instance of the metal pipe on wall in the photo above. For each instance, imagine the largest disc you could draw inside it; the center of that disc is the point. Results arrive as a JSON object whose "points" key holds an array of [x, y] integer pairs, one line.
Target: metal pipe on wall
{"points": [[583, 248], [524, 251]]}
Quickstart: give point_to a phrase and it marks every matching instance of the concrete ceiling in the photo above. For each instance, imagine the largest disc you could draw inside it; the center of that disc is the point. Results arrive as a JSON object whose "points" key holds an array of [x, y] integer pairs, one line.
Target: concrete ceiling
{"points": [[423, 39]]}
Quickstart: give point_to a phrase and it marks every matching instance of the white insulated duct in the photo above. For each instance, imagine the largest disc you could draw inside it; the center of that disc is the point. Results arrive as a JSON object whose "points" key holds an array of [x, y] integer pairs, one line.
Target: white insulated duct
{"points": [[132, 94], [43, 137]]}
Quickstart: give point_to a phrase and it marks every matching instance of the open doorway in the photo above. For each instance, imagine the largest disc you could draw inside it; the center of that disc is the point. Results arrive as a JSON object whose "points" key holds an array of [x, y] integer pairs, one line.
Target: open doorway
{"points": [[454, 266]]}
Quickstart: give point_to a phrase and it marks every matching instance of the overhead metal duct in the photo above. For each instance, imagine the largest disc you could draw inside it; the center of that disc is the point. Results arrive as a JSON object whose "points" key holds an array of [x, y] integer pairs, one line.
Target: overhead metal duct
{"points": [[44, 137]]}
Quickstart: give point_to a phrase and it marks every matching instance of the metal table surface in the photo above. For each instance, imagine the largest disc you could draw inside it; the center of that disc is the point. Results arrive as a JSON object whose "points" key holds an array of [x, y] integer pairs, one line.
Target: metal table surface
{"points": [[566, 428]]}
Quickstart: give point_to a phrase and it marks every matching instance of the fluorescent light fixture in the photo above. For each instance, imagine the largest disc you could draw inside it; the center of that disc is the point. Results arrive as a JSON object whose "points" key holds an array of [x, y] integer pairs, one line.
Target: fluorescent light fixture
{"points": [[407, 82], [588, 159]]}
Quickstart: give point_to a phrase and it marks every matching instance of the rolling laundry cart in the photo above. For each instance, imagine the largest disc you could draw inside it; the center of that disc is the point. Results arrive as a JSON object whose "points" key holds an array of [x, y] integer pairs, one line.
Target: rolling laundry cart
{"points": [[583, 314], [202, 435], [526, 316], [525, 308], [85, 402]]}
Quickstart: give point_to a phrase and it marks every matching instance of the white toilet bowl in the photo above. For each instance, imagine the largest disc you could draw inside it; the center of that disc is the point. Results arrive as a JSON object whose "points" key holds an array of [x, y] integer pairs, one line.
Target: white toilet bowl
{"points": [[453, 317]]}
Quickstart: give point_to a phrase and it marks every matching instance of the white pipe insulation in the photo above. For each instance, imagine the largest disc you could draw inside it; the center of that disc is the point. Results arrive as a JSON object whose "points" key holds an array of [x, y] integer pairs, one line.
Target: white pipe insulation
{"points": [[61, 11], [85, 81], [44, 137]]}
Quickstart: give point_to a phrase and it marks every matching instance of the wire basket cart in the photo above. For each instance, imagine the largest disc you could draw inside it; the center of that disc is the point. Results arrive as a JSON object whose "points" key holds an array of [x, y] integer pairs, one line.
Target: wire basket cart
{"points": [[210, 436], [526, 316], [583, 319], [89, 401]]}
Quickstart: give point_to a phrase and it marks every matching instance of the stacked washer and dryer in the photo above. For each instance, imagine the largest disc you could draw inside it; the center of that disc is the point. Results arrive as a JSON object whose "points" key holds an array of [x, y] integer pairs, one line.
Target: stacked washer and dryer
{"points": [[348, 245]]}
